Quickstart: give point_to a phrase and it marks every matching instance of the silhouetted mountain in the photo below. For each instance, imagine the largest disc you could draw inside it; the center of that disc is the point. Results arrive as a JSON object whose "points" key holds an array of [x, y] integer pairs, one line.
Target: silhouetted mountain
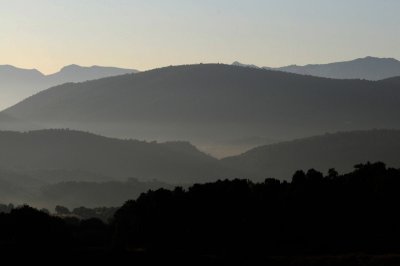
{"points": [[236, 63], [339, 150], [208, 104], [316, 219], [65, 150], [369, 68], [75, 73], [17, 83]]}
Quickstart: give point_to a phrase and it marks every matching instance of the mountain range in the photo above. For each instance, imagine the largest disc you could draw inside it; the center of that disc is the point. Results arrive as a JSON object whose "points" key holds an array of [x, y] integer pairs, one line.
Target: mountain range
{"points": [[208, 104], [17, 83], [64, 166], [369, 68]]}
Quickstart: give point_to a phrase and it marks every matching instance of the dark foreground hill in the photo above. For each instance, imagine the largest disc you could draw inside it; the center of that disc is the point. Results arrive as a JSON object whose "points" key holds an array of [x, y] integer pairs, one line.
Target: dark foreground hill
{"points": [[211, 103], [341, 150], [336, 219]]}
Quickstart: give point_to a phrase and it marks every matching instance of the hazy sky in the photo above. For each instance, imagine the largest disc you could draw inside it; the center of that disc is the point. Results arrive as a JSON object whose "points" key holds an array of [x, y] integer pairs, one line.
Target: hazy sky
{"points": [[48, 34]]}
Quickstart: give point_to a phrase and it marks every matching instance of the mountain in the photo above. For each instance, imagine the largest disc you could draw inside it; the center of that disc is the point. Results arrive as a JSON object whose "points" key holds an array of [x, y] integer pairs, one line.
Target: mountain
{"points": [[78, 152], [17, 83], [341, 150], [208, 104], [370, 68], [236, 63], [66, 167], [75, 73]]}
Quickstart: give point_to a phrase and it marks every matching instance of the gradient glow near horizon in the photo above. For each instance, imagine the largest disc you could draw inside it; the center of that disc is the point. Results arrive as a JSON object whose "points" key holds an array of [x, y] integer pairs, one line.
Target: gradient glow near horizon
{"points": [[48, 34]]}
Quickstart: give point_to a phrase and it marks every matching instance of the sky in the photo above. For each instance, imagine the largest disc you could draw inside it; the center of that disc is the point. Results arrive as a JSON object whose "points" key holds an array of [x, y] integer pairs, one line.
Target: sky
{"points": [[49, 34]]}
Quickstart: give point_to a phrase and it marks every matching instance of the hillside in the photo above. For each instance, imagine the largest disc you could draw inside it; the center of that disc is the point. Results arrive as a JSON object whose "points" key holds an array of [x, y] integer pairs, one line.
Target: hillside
{"points": [[209, 104], [339, 150], [78, 152]]}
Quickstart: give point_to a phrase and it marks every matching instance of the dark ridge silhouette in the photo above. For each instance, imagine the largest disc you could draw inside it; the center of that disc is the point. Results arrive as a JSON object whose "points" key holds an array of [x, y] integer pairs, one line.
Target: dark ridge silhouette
{"points": [[369, 68], [342, 150], [67, 150], [76, 73], [243, 221], [316, 219], [236, 63], [17, 83], [211, 103], [394, 80]]}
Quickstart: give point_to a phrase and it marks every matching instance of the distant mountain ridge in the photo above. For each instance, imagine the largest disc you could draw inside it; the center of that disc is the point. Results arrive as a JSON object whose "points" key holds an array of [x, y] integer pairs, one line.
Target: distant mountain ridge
{"points": [[369, 68], [17, 83], [208, 104]]}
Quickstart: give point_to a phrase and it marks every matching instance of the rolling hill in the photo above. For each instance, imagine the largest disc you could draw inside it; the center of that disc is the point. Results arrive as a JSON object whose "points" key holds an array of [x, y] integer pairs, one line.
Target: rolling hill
{"points": [[49, 167], [208, 104], [341, 150], [77, 152]]}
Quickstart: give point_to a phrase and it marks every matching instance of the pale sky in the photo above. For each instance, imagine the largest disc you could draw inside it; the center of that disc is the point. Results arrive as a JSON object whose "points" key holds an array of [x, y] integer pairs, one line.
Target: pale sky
{"points": [[48, 34]]}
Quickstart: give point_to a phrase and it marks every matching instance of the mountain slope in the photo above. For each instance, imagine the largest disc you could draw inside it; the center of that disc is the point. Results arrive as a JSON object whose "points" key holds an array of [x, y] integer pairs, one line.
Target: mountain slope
{"points": [[209, 104], [340, 150], [17, 83], [56, 150]]}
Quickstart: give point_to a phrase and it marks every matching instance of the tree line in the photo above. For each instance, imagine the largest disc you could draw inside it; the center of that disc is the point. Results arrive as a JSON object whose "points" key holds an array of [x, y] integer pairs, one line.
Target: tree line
{"points": [[313, 214]]}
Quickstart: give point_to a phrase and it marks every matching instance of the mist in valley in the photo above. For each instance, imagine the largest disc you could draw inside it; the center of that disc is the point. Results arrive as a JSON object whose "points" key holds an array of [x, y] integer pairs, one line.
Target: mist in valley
{"points": [[231, 133]]}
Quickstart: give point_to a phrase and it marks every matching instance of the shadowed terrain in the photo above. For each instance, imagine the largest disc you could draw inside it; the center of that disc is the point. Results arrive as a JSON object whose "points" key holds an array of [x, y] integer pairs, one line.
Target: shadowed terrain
{"points": [[211, 104]]}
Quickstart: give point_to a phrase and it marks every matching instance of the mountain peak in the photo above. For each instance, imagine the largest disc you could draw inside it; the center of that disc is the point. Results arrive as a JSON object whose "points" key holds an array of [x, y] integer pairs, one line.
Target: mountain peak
{"points": [[12, 68], [237, 63], [72, 66]]}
